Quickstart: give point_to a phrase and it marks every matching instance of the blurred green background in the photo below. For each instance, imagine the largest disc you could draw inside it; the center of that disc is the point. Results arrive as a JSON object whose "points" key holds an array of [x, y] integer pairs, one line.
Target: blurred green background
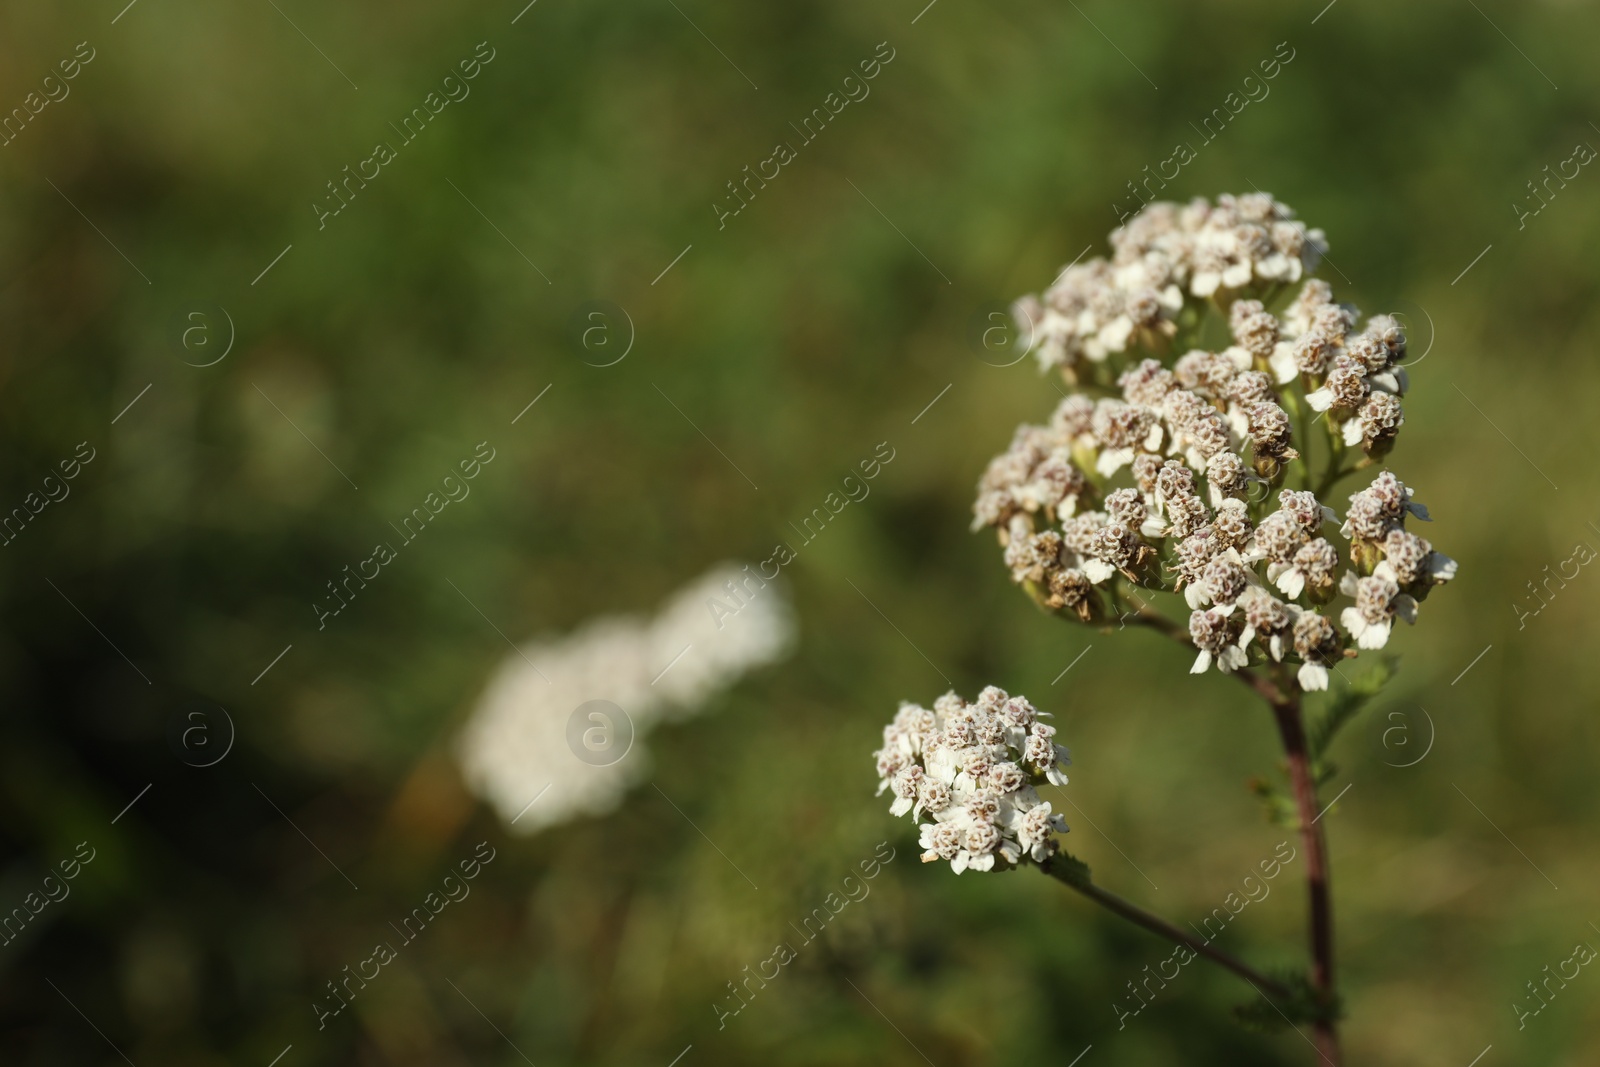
{"points": [[815, 324]]}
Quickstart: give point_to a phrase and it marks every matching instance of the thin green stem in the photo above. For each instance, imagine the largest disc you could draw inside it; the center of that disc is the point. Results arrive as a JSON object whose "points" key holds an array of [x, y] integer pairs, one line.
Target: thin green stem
{"points": [[1074, 875], [1291, 403], [1336, 447], [1335, 476]]}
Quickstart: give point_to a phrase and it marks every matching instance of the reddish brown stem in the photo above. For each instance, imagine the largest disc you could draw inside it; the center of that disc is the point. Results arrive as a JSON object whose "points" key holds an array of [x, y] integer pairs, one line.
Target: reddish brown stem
{"points": [[1291, 728], [1285, 704]]}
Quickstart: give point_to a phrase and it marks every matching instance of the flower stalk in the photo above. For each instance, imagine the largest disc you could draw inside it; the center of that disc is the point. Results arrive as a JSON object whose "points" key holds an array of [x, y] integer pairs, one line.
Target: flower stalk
{"points": [[1166, 469], [1291, 728], [1075, 875]]}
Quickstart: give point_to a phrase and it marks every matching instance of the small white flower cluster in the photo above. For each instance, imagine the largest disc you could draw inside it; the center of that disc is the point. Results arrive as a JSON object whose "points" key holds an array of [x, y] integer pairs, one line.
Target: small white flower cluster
{"points": [[971, 770], [1361, 379], [1407, 569], [1252, 576], [1098, 308]]}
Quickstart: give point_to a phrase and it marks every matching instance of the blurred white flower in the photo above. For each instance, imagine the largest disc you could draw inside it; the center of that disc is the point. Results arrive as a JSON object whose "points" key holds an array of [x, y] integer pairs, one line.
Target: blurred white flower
{"points": [[522, 743]]}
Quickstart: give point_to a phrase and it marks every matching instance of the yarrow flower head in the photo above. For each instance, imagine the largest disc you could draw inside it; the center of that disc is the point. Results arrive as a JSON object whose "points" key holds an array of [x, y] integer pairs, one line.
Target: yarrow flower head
{"points": [[1204, 471], [970, 770], [1218, 396]]}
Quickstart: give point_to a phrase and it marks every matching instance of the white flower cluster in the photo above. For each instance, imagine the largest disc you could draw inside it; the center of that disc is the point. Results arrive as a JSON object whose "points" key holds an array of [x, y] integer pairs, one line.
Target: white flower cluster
{"points": [[1098, 308], [970, 769], [1407, 564], [515, 746], [1209, 440]]}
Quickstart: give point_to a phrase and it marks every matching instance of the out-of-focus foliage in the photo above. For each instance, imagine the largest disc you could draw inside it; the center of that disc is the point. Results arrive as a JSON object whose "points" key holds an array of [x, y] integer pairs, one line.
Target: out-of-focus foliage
{"points": [[796, 335]]}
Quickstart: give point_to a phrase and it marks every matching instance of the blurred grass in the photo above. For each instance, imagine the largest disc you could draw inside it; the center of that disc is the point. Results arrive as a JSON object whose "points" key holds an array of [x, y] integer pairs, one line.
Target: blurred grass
{"points": [[797, 338]]}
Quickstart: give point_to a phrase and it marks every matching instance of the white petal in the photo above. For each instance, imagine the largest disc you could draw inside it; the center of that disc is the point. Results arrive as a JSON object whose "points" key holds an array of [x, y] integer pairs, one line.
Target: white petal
{"points": [[1194, 594], [1348, 584], [1116, 333], [1291, 582], [1201, 662], [1097, 570], [1441, 568], [1386, 382], [1313, 677], [1282, 363], [1319, 399], [900, 806], [1113, 460], [1376, 634], [1353, 621], [1233, 657], [1353, 432], [1385, 570]]}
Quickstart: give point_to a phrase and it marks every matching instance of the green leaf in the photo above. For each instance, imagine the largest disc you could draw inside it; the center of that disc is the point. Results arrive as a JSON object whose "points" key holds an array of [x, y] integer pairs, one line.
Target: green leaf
{"points": [[1278, 805], [1300, 1006], [1067, 868]]}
